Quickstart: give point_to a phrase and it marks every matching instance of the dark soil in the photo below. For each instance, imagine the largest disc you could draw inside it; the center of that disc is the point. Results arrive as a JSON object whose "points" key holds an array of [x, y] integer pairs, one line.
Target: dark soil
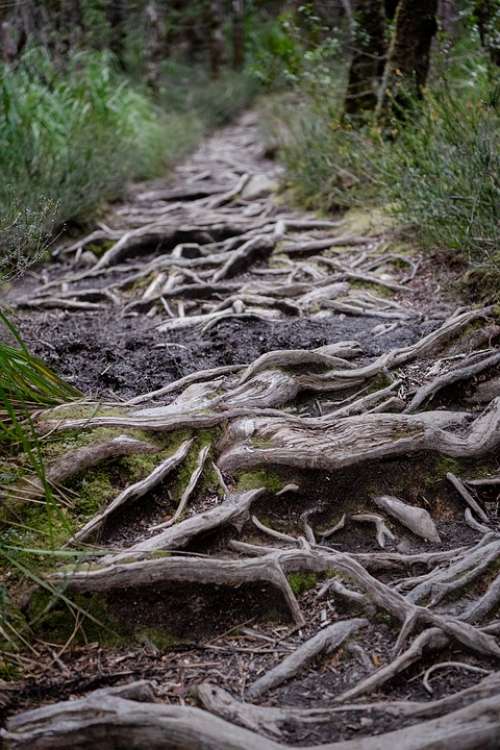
{"points": [[106, 355]]}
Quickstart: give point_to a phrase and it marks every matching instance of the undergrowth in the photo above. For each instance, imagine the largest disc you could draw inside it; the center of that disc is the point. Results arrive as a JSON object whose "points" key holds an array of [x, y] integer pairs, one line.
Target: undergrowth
{"points": [[435, 167], [213, 103], [26, 385], [72, 138]]}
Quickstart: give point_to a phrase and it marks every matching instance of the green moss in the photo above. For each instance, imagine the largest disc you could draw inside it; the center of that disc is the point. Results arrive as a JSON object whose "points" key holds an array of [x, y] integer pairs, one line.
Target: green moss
{"points": [[376, 289], [96, 490], [366, 221], [381, 380], [51, 617], [442, 466], [99, 248], [208, 481], [301, 582], [254, 479]]}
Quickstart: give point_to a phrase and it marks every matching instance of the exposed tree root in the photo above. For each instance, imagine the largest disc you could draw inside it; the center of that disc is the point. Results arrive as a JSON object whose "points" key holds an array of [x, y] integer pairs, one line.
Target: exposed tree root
{"points": [[271, 567], [383, 533], [460, 373], [195, 476], [417, 520], [325, 641], [77, 461], [432, 639], [110, 721], [466, 495], [270, 720], [133, 492], [353, 440], [234, 510]]}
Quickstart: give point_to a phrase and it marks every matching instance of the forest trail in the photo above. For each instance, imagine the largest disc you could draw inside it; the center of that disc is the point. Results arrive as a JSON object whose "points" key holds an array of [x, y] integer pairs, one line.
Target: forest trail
{"points": [[311, 555]]}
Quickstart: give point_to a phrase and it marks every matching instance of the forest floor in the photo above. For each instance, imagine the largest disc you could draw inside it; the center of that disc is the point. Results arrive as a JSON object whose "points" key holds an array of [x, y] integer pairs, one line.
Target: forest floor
{"points": [[308, 546]]}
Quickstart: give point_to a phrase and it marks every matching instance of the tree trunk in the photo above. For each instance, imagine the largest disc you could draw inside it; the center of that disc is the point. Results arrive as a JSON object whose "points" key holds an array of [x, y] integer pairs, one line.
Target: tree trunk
{"points": [[154, 43], [408, 63], [487, 13], [7, 42], [238, 34], [367, 58], [116, 15], [390, 8], [215, 36]]}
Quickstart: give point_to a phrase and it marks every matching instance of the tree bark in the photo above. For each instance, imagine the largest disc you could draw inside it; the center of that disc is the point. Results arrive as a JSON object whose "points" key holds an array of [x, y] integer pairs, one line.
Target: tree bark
{"points": [[213, 16], [367, 58], [487, 13], [408, 63], [116, 15], [238, 34]]}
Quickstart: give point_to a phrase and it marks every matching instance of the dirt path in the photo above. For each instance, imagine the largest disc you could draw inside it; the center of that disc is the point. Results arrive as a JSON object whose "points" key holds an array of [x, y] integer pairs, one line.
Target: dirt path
{"points": [[313, 520]]}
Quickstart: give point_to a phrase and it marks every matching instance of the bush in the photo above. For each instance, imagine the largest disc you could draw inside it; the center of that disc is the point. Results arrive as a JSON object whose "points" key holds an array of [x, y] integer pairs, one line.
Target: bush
{"points": [[446, 172], [70, 139], [437, 169]]}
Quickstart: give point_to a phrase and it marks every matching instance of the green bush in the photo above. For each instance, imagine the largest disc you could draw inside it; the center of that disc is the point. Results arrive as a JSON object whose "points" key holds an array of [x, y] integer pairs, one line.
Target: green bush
{"points": [[437, 168], [70, 139], [444, 175]]}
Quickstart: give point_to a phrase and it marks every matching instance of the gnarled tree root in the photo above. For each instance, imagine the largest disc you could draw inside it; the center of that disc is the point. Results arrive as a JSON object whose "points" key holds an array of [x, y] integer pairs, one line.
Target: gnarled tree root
{"points": [[271, 566], [134, 491], [325, 641], [353, 440], [110, 721], [273, 720]]}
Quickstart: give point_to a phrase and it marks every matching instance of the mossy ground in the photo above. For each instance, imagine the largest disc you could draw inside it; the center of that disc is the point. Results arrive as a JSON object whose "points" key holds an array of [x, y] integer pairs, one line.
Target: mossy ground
{"points": [[33, 537], [302, 582], [252, 480]]}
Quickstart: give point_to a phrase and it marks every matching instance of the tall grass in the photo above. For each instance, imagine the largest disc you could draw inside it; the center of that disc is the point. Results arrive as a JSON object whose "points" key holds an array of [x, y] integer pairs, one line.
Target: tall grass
{"points": [[26, 385], [71, 139]]}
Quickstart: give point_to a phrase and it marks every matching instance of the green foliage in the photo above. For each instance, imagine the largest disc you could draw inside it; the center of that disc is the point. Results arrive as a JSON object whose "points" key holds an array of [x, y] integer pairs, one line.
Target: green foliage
{"points": [[26, 384], [25, 381], [274, 51], [212, 103], [302, 582], [447, 169], [71, 139], [436, 168], [252, 480]]}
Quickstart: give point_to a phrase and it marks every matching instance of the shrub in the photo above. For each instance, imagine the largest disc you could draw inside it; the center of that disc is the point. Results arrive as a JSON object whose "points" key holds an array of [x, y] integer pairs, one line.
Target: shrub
{"points": [[437, 169], [71, 139], [446, 171]]}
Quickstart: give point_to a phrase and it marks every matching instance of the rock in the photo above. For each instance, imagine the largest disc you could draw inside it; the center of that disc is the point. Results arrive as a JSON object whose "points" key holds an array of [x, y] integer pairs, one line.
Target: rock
{"points": [[258, 186], [87, 259]]}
